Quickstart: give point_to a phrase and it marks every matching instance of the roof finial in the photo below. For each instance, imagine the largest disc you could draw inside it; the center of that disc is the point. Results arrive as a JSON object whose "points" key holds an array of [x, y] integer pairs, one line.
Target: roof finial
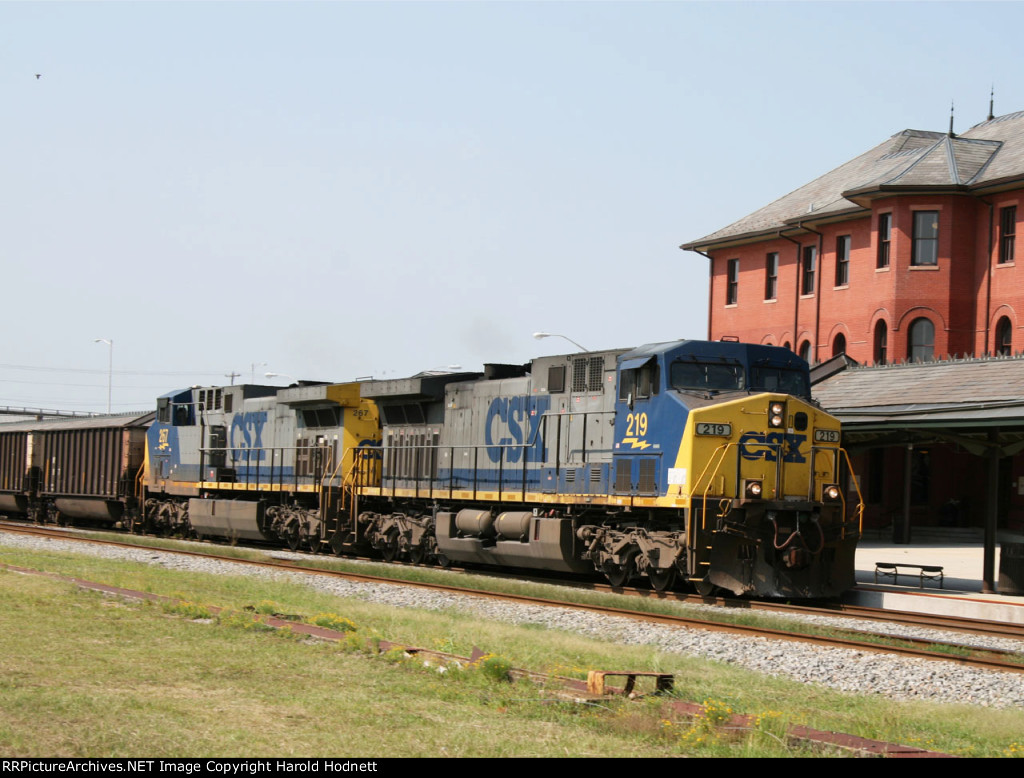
{"points": [[992, 103], [951, 119]]}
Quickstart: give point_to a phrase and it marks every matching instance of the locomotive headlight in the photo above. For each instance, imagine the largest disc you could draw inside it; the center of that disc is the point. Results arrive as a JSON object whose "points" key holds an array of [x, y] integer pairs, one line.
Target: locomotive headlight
{"points": [[776, 414], [753, 490], [831, 493]]}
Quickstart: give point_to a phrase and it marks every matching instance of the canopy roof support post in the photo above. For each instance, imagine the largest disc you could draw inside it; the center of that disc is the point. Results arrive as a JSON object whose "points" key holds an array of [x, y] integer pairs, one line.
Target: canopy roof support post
{"points": [[991, 513]]}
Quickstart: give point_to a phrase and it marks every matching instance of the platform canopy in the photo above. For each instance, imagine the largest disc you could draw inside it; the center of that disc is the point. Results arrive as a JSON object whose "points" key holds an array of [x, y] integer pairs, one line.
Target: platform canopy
{"points": [[974, 403]]}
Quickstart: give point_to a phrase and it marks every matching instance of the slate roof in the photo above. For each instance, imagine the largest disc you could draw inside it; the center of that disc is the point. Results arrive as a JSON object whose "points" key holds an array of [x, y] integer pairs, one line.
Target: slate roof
{"points": [[957, 393], [988, 154]]}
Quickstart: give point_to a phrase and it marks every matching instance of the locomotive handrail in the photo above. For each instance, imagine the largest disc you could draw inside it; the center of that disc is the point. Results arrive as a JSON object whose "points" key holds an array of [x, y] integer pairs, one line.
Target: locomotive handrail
{"points": [[860, 497], [253, 475], [521, 482], [140, 488]]}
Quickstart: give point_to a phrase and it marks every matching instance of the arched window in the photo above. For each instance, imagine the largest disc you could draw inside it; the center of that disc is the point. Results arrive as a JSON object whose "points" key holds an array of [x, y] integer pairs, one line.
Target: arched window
{"points": [[1004, 338], [839, 345], [805, 351], [921, 343], [881, 342], [786, 345]]}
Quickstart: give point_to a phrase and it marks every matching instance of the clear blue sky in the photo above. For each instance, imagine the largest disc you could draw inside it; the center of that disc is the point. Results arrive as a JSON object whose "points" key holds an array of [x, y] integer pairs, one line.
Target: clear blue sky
{"points": [[336, 189]]}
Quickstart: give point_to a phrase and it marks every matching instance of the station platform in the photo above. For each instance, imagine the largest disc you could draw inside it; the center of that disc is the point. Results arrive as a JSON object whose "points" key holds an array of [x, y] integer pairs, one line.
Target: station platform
{"points": [[961, 592]]}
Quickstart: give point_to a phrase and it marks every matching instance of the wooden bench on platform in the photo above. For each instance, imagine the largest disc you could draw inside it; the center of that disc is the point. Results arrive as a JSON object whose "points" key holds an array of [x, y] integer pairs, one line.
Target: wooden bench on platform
{"points": [[892, 570]]}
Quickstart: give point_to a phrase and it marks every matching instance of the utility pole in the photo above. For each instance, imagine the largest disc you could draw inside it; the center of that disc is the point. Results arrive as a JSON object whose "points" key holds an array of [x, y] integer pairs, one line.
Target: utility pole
{"points": [[232, 375]]}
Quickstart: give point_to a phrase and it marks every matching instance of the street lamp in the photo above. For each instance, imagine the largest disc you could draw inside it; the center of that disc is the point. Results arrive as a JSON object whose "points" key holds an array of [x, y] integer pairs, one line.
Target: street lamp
{"points": [[281, 375], [542, 335], [252, 374], [110, 366]]}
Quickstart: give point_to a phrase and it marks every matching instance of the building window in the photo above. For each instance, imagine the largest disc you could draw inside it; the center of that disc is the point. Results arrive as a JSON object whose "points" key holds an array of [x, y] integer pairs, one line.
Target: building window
{"points": [[839, 345], [771, 275], [926, 238], [1004, 338], [805, 351], [921, 345], [884, 237], [810, 260], [732, 281], [1007, 233], [842, 260], [881, 342]]}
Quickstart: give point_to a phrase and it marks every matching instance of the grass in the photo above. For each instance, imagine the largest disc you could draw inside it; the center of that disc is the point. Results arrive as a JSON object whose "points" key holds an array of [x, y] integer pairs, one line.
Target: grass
{"points": [[416, 574], [85, 675]]}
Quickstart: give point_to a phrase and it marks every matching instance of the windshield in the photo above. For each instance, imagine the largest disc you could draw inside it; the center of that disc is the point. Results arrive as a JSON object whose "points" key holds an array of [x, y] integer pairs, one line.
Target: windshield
{"points": [[703, 377], [781, 379]]}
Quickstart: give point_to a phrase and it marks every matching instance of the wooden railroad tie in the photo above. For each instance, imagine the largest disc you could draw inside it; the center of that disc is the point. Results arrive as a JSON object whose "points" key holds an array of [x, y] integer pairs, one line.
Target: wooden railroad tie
{"points": [[596, 681]]}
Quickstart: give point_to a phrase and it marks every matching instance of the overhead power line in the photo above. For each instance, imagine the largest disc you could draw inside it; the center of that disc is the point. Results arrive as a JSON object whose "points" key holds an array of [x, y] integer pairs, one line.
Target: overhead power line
{"points": [[38, 368]]}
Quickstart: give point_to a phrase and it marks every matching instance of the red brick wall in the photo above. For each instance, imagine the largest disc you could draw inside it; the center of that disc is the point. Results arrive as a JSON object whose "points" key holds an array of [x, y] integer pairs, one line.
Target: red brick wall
{"points": [[959, 295]]}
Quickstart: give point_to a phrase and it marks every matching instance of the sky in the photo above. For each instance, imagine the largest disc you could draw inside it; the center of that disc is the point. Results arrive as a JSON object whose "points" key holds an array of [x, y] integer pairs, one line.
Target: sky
{"points": [[333, 190]]}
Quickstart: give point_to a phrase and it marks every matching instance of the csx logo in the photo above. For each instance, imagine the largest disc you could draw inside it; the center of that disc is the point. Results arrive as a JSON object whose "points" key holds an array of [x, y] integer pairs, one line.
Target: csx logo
{"points": [[767, 445], [247, 432], [512, 422]]}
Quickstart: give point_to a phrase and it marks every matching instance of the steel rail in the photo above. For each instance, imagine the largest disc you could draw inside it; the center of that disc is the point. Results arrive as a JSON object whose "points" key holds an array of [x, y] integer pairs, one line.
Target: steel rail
{"points": [[977, 658]]}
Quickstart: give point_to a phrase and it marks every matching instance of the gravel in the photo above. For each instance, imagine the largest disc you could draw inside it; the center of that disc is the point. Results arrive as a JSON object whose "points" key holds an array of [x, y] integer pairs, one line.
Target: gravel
{"points": [[844, 669]]}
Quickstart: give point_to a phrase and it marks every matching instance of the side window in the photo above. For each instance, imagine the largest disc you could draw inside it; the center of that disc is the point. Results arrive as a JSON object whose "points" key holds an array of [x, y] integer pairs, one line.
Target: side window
{"points": [[926, 238], [884, 239], [641, 382], [1007, 233], [732, 281], [842, 260], [556, 379], [921, 343], [771, 275], [810, 261]]}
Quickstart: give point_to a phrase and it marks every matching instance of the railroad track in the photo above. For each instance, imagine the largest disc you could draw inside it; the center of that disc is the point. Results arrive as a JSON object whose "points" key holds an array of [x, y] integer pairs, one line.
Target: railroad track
{"points": [[990, 659]]}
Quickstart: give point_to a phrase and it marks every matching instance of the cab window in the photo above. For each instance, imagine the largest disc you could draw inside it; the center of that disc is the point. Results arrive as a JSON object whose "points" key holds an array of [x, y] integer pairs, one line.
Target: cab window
{"points": [[707, 377]]}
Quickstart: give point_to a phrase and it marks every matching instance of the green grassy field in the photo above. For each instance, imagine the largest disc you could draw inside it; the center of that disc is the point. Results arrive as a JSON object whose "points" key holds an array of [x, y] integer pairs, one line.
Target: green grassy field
{"points": [[87, 675]]}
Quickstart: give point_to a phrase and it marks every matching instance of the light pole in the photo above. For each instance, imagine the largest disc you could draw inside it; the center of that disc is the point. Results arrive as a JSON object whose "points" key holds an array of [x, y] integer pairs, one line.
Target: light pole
{"points": [[293, 379], [252, 375], [541, 335], [110, 366]]}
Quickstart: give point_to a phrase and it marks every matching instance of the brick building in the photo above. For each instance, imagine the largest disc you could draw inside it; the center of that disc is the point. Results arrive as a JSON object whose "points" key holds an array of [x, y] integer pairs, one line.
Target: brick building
{"points": [[906, 252]]}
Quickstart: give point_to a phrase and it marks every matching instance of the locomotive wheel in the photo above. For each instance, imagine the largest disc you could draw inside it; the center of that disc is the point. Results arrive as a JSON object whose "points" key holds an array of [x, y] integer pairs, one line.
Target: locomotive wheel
{"points": [[390, 548], [293, 538], [704, 588], [662, 580], [416, 555], [618, 575], [442, 560]]}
